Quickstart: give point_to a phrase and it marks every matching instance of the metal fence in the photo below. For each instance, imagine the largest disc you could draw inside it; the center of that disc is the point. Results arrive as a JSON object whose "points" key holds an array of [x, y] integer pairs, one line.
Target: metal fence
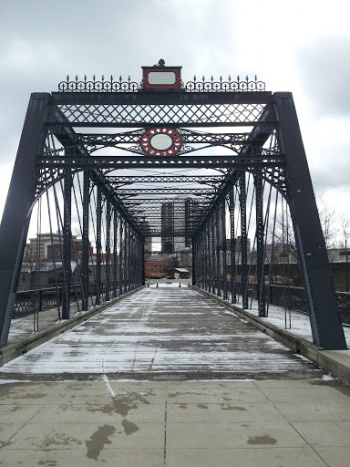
{"points": [[291, 298], [33, 301]]}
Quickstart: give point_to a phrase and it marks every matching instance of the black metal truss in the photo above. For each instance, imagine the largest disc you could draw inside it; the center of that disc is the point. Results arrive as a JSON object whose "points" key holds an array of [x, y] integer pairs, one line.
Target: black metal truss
{"points": [[144, 202], [120, 180], [94, 140], [124, 110], [271, 150], [47, 173], [127, 162], [148, 203], [126, 193], [185, 115], [128, 139], [144, 207]]}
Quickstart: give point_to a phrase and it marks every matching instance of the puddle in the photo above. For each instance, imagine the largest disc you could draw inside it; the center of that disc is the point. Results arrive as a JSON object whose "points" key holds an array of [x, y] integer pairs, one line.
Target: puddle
{"points": [[129, 427], [202, 406], [97, 441], [261, 440]]}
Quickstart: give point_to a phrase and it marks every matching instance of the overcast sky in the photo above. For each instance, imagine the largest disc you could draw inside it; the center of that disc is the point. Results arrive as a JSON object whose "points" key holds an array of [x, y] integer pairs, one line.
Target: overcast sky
{"points": [[299, 46]]}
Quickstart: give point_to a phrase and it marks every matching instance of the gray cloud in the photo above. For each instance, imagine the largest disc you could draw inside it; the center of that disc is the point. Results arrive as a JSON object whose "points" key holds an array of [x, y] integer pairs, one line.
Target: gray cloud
{"points": [[324, 71], [41, 42]]}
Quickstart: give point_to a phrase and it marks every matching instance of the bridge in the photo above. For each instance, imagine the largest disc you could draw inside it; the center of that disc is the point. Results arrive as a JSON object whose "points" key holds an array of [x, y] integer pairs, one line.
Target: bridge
{"points": [[208, 176]]}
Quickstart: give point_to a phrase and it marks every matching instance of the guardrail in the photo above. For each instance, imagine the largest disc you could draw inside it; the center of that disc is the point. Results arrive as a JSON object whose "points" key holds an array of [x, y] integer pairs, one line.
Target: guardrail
{"points": [[292, 298], [33, 301]]}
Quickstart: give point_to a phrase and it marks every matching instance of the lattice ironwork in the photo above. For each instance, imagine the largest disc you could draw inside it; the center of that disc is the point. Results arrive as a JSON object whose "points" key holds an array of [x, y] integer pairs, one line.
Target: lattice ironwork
{"points": [[162, 114], [202, 179], [165, 191]]}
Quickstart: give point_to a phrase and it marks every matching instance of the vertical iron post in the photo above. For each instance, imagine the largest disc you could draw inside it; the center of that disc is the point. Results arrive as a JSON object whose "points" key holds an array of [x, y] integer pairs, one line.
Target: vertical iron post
{"points": [[232, 246], [98, 244], [244, 240], [115, 251], [85, 242], [142, 253], [121, 256], [213, 248], [108, 248], [260, 246], [210, 256], [224, 247], [67, 244], [127, 256]]}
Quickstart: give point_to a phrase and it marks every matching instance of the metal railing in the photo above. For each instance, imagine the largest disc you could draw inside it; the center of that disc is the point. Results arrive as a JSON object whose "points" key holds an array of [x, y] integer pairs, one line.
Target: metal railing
{"points": [[291, 298], [37, 300]]}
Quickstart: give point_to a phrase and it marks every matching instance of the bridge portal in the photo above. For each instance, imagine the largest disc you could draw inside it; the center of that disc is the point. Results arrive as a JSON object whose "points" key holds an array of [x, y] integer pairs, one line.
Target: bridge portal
{"points": [[110, 172]]}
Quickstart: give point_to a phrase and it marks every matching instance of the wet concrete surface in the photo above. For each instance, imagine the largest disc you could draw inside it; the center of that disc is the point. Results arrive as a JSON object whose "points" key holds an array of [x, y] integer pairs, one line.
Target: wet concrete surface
{"points": [[159, 333], [174, 424]]}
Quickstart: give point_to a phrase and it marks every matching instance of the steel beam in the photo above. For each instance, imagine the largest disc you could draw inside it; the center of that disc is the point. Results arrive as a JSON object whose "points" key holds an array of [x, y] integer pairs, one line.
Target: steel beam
{"points": [[260, 246], [244, 239], [98, 244], [248, 163], [233, 245], [160, 98], [85, 242], [20, 199], [67, 244], [327, 329], [108, 248]]}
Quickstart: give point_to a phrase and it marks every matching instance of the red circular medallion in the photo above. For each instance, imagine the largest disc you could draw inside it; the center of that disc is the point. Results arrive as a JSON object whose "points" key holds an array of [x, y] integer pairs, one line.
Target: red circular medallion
{"points": [[161, 141]]}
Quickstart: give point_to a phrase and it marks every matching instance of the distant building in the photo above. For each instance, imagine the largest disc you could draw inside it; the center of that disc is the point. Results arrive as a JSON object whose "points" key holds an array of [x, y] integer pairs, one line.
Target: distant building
{"points": [[48, 247], [155, 268], [177, 216], [148, 240], [182, 273], [167, 227]]}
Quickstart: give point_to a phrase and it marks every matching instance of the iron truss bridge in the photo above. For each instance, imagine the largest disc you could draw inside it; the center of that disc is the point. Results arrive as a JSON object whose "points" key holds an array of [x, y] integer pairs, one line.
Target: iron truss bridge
{"points": [[112, 172]]}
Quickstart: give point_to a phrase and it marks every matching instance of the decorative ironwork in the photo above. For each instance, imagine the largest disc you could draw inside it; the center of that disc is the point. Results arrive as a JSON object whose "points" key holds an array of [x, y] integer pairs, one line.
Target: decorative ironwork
{"points": [[129, 115], [98, 85], [220, 85], [115, 162], [129, 179], [171, 191], [201, 85], [161, 141]]}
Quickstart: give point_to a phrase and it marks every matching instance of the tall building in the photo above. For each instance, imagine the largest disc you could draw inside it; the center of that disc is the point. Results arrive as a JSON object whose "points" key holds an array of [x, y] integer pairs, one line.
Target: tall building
{"points": [[167, 227], [177, 224], [148, 240]]}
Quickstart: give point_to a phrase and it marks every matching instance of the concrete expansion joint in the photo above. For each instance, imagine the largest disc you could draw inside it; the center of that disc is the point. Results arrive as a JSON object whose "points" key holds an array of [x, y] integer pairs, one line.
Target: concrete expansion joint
{"points": [[165, 423]]}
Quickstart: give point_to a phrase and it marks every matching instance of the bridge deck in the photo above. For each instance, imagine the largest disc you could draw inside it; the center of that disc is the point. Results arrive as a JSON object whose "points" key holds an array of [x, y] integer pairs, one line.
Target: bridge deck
{"points": [[162, 331], [274, 408]]}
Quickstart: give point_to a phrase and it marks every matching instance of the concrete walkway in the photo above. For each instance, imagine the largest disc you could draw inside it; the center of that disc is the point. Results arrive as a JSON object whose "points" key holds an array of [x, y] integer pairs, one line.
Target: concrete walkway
{"points": [[169, 378], [175, 424]]}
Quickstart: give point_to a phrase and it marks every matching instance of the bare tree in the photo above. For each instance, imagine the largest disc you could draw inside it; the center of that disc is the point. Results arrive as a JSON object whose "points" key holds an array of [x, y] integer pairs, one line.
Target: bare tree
{"points": [[329, 220], [345, 232]]}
